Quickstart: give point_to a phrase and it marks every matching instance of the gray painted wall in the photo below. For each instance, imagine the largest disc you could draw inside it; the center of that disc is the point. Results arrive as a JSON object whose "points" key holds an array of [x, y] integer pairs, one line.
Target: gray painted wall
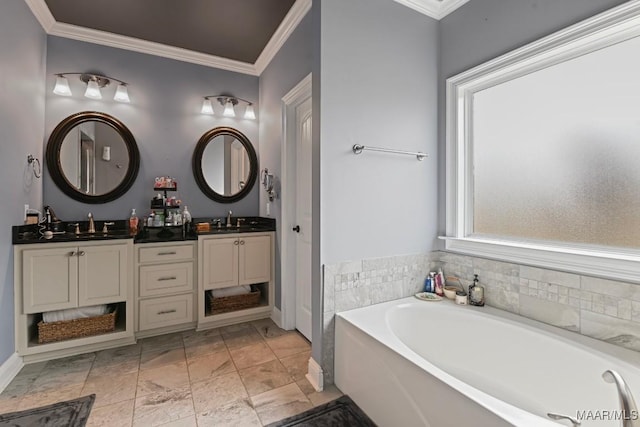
{"points": [[375, 83], [379, 87], [22, 64], [484, 29], [286, 70], [164, 117]]}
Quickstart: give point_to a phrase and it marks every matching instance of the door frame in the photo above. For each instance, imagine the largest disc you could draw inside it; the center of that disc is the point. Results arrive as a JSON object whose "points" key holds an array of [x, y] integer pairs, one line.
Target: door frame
{"points": [[295, 97]]}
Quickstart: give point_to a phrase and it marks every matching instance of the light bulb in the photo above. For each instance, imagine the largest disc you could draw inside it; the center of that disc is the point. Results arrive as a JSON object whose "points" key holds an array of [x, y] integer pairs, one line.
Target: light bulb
{"points": [[93, 91], [228, 109], [207, 108], [249, 113], [122, 94], [62, 86]]}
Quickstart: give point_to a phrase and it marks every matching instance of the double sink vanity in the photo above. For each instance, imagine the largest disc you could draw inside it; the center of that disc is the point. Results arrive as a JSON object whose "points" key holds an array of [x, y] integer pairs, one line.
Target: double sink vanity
{"points": [[159, 281], [158, 285]]}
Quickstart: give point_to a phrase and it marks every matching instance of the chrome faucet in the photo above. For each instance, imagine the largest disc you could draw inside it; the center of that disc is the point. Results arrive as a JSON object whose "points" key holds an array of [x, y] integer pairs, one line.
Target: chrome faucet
{"points": [[627, 404], [105, 229], [572, 420], [92, 225], [229, 219]]}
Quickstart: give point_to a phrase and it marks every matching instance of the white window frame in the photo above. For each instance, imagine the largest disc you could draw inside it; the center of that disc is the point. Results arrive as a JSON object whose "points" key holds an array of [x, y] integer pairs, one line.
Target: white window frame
{"points": [[613, 26]]}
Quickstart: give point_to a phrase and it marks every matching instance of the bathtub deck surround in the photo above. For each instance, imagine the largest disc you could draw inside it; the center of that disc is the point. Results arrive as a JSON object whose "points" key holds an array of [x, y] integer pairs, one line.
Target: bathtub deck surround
{"points": [[604, 309], [362, 283], [501, 384]]}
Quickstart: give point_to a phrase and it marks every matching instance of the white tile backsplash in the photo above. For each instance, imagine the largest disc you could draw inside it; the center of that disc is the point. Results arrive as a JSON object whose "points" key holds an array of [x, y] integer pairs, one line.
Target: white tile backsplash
{"points": [[604, 309]]}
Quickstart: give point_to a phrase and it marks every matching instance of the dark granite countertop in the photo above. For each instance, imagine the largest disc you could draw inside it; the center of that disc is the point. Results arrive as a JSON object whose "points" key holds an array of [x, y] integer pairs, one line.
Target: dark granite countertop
{"points": [[28, 234], [251, 224]]}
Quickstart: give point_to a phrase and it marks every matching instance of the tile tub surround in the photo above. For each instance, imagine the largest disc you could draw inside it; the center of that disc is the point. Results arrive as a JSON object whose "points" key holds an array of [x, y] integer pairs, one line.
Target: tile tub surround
{"points": [[357, 284], [604, 309], [607, 310]]}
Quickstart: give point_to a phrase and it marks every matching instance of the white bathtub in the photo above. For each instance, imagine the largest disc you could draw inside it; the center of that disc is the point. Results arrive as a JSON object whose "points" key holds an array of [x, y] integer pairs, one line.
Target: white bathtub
{"points": [[414, 363]]}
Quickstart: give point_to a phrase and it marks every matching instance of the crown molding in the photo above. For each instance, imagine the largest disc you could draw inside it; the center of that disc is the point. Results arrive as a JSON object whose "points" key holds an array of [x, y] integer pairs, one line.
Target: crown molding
{"points": [[285, 29], [290, 22], [42, 13], [143, 46], [436, 9]]}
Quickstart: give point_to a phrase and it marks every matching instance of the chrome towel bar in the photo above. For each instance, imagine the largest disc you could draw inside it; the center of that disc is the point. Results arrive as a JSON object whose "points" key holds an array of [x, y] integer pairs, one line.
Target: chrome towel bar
{"points": [[358, 149]]}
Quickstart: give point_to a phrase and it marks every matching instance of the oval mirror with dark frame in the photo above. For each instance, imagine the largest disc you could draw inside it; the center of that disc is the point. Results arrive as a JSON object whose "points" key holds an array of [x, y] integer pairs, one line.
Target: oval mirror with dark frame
{"points": [[92, 157], [225, 165]]}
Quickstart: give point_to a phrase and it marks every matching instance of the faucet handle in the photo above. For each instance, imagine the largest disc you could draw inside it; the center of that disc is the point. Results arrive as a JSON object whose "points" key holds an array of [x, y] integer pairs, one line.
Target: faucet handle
{"points": [[77, 225], [238, 221], [105, 230]]}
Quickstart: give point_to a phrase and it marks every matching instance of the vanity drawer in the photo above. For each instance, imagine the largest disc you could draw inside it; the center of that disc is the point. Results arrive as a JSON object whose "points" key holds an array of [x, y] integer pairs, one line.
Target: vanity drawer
{"points": [[165, 311], [163, 279], [166, 253]]}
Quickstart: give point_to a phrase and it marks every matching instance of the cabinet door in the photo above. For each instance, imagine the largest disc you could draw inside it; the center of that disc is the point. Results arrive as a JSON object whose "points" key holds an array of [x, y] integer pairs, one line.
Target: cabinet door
{"points": [[49, 279], [255, 259], [220, 263], [102, 272]]}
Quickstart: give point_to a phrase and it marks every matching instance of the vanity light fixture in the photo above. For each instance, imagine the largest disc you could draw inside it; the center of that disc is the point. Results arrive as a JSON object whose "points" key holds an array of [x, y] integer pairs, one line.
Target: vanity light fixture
{"points": [[94, 83], [228, 108], [228, 103]]}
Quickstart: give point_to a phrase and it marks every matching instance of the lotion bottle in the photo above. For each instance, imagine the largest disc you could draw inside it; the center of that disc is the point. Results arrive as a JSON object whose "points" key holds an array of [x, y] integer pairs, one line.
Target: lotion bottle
{"points": [[476, 293], [133, 223]]}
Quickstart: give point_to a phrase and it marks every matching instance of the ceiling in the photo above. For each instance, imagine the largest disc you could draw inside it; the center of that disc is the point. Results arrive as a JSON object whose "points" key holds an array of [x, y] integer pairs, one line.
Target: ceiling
{"points": [[235, 35], [236, 29]]}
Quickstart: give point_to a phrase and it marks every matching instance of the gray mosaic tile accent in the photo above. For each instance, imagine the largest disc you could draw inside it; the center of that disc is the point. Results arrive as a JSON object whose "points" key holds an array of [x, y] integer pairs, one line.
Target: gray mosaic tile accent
{"points": [[357, 284], [608, 310]]}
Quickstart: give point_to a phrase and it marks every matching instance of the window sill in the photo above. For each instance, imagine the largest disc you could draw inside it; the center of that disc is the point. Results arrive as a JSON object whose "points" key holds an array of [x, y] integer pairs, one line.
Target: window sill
{"points": [[609, 264]]}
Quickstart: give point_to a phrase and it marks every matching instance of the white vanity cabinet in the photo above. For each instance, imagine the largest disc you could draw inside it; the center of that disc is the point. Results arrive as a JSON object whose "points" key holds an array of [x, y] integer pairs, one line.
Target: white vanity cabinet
{"points": [[228, 260], [77, 276], [235, 261], [165, 287], [54, 276]]}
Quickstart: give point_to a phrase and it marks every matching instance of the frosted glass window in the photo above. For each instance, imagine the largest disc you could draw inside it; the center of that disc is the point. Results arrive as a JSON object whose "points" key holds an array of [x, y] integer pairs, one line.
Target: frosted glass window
{"points": [[556, 153]]}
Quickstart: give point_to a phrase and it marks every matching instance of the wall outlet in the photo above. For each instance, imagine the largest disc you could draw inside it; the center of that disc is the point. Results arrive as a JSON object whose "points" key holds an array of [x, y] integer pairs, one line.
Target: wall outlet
{"points": [[24, 217]]}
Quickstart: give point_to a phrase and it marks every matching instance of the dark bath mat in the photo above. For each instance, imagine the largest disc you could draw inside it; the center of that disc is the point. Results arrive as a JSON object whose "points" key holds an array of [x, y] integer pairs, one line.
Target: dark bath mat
{"points": [[342, 412], [72, 413]]}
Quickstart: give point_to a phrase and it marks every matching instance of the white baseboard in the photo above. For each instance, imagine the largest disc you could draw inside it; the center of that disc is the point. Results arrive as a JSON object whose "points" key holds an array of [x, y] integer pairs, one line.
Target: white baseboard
{"points": [[9, 369], [276, 316], [315, 375]]}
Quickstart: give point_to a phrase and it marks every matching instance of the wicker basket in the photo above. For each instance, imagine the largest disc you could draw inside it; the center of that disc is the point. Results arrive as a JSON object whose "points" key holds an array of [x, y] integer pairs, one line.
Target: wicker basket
{"points": [[77, 328], [234, 302]]}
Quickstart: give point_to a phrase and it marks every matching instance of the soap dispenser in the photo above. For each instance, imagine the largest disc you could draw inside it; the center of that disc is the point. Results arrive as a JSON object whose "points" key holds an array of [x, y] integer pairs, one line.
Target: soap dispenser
{"points": [[476, 292], [133, 223]]}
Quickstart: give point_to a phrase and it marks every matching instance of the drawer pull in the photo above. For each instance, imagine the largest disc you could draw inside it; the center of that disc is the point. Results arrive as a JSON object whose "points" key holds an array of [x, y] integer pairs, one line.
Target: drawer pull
{"points": [[242, 242], [81, 253], [168, 253], [235, 243], [167, 311], [72, 253], [164, 279]]}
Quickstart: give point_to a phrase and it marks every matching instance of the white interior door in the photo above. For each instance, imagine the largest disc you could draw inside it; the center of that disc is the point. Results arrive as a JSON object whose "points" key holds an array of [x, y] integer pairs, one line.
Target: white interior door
{"points": [[303, 218]]}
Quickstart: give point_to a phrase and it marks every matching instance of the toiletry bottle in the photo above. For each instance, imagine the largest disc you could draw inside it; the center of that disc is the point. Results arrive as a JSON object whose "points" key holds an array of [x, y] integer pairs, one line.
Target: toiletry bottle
{"points": [[186, 215], [439, 280], [427, 284], [476, 293], [133, 223]]}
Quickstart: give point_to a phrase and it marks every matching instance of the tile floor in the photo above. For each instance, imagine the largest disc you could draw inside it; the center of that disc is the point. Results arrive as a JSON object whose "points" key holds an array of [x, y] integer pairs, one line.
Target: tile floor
{"points": [[250, 374]]}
